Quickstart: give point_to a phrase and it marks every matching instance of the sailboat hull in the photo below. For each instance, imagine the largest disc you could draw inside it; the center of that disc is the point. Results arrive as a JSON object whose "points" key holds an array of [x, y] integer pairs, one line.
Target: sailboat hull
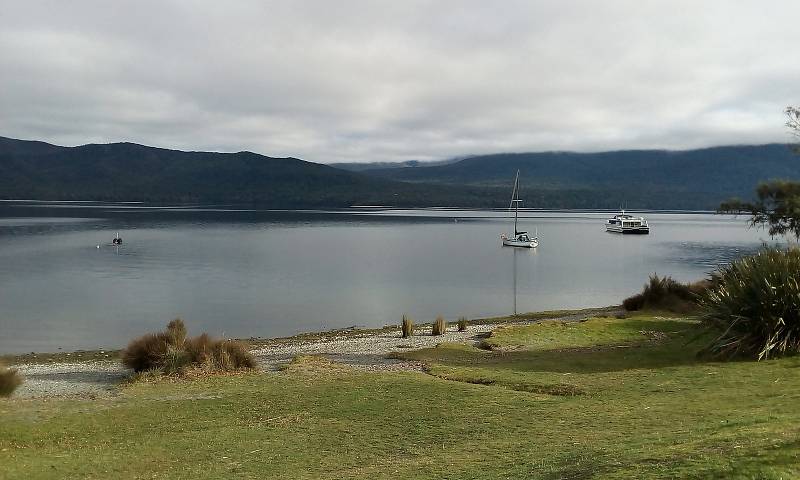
{"points": [[507, 242]]}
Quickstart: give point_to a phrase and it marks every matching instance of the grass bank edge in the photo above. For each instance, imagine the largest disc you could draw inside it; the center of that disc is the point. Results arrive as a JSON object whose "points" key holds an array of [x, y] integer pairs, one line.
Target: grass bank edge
{"points": [[84, 356]]}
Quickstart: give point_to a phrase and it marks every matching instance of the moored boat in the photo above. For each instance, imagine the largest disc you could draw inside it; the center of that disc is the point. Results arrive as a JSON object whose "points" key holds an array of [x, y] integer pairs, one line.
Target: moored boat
{"points": [[520, 238], [625, 223]]}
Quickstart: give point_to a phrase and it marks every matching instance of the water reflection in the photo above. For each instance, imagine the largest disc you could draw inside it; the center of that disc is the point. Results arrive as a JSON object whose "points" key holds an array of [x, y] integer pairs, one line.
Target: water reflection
{"points": [[520, 259]]}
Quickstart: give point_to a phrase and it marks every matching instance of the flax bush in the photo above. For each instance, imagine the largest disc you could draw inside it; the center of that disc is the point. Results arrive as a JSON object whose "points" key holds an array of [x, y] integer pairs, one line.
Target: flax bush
{"points": [[755, 306]]}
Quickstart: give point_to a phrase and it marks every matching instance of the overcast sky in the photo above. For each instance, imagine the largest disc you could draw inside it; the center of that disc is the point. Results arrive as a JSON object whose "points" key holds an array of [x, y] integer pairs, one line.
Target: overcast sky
{"points": [[332, 81]]}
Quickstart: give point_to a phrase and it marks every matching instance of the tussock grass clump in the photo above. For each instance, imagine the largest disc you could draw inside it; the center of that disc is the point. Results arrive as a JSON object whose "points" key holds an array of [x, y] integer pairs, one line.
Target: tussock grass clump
{"points": [[755, 306], [462, 324], [439, 326], [176, 330], [224, 355], [171, 352], [668, 294], [10, 379], [407, 327], [147, 352]]}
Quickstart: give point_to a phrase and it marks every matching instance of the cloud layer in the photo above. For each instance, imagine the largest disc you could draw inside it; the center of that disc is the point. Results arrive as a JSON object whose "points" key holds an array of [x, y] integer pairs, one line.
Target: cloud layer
{"points": [[390, 81]]}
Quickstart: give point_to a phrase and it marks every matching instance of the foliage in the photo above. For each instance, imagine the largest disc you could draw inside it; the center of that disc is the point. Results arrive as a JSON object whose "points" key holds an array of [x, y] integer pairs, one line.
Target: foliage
{"points": [[778, 202], [10, 379], [177, 332], [171, 352], [755, 306], [793, 120], [462, 324], [666, 293], [224, 355], [777, 206], [407, 327], [439, 326], [147, 352]]}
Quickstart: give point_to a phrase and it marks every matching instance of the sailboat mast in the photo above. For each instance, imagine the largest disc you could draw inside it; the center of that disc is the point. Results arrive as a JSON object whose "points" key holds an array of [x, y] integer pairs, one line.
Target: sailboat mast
{"points": [[515, 200]]}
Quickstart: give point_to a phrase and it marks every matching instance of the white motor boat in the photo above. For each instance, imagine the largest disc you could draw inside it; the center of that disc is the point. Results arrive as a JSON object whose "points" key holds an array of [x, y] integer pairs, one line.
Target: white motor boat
{"points": [[520, 238], [624, 223]]}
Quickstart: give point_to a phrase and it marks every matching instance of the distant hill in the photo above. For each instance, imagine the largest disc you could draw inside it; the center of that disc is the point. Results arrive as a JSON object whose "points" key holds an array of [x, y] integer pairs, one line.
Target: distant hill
{"points": [[131, 172], [700, 177], [696, 179]]}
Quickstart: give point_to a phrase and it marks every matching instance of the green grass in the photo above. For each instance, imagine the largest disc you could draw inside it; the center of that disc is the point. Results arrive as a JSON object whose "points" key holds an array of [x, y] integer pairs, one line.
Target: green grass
{"points": [[593, 400], [551, 335]]}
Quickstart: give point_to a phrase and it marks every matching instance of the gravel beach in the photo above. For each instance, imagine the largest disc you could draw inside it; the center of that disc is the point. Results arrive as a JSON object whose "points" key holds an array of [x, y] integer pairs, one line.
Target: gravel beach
{"points": [[366, 351]]}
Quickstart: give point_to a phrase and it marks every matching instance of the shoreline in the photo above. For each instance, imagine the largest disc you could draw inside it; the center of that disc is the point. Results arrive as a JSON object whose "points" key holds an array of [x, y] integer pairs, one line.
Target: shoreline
{"points": [[93, 374], [81, 355]]}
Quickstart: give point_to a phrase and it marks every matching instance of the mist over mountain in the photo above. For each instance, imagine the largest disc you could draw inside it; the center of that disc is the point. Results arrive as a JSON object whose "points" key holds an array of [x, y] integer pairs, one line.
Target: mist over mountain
{"points": [[701, 175], [360, 167]]}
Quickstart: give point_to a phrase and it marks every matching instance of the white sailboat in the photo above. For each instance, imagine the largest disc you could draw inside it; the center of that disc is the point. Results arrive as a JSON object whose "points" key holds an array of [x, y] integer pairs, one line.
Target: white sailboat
{"points": [[520, 238]]}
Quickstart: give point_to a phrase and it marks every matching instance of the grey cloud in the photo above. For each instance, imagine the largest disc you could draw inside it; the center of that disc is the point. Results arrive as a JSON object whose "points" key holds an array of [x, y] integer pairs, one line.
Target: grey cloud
{"points": [[384, 81]]}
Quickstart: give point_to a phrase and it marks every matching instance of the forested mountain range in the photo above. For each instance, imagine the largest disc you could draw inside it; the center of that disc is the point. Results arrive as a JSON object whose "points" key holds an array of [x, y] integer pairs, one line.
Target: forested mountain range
{"points": [[721, 171], [692, 179]]}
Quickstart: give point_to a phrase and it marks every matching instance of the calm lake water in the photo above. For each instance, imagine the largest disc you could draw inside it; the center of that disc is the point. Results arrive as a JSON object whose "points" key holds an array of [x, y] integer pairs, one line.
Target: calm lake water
{"points": [[243, 273]]}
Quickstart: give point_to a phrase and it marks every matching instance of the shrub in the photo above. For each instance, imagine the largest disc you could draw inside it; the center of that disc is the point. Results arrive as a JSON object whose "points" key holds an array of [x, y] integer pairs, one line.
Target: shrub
{"points": [[462, 324], [754, 305], [634, 302], [174, 360], [407, 327], [439, 326], [177, 332], [239, 355], [666, 293], [10, 379], [224, 355], [147, 352], [171, 352]]}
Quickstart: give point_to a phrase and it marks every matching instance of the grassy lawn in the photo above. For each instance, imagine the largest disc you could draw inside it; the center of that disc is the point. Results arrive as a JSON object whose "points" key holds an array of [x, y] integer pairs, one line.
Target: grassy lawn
{"points": [[607, 398]]}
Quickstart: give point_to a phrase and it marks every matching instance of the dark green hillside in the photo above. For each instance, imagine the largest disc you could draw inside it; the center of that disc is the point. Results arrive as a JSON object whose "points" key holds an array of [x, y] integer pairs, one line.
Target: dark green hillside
{"points": [[710, 173], [697, 179], [130, 172]]}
